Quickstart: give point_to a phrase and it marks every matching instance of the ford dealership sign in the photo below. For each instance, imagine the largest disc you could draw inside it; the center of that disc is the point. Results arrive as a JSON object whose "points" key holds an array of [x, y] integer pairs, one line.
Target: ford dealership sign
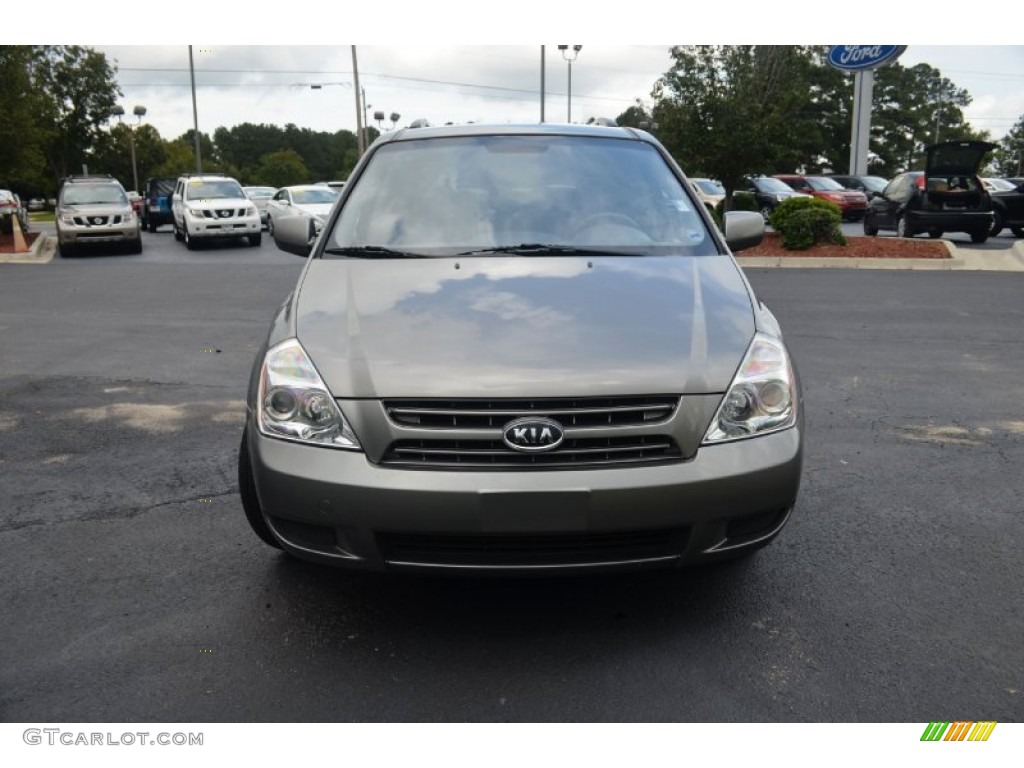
{"points": [[851, 58]]}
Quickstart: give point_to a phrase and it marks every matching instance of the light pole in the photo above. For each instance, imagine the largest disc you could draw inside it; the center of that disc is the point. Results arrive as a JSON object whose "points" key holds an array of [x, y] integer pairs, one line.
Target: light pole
{"points": [[379, 117], [565, 55], [139, 111]]}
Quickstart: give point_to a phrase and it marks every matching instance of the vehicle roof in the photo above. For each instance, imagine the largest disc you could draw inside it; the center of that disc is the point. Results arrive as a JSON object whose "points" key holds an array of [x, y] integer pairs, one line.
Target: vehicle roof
{"points": [[516, 129]]}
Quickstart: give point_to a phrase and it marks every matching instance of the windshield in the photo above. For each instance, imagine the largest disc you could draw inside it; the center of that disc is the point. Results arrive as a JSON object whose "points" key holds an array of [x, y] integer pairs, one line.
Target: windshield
{"points": [[93, 194], [212, 190], [1001, 185], [260, 193], [821, 184], [442, 196], [773, 186], [710, 187], [314, 196]]}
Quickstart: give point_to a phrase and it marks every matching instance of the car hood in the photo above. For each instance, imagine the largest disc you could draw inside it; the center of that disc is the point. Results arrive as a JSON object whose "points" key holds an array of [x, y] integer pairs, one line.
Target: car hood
{"points": [[524, 326], [956, 158], [314, 209], [97, 209], [219, 203]]}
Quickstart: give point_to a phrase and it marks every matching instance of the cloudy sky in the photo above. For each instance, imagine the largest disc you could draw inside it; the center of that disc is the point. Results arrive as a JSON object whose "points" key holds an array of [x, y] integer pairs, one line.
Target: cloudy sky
{"points": [[273, 53]]}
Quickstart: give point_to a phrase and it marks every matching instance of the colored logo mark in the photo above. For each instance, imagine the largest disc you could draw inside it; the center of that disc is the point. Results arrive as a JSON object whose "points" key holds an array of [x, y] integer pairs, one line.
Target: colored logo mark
{"points": [[959, 731]]}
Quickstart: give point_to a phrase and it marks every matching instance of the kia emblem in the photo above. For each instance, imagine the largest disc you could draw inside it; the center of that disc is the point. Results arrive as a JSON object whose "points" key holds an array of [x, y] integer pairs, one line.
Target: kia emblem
{"points": [[531, 435]]}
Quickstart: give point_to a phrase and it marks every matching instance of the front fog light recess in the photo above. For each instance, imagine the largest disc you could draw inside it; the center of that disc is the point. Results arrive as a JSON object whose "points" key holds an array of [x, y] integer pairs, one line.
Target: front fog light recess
{"points": [[294, 402], [761, 398]]}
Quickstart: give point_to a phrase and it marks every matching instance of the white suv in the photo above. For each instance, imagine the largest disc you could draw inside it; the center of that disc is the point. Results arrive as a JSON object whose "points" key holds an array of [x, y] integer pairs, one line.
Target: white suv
{"points": [[213, 206]]}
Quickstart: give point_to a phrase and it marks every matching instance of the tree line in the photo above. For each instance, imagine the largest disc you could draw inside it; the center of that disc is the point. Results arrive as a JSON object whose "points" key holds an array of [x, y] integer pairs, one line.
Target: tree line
{"points": [[722, 111], [725, 111], [58, 117]]}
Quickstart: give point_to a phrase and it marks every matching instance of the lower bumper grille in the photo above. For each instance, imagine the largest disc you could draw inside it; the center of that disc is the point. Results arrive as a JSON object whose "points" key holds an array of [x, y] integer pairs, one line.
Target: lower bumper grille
{"points": [[512, 550], [575, 453]]}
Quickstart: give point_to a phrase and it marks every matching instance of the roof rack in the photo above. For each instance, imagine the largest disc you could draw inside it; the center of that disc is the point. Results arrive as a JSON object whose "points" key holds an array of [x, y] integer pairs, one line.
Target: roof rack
{"points": [[204, 173], [87, 177]]}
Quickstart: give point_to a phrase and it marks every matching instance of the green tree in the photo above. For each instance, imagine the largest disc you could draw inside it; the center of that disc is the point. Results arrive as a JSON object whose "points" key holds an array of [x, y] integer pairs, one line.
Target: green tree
{"points": [[113, 153], [22, 142], [282, 169], [733, 110], [179, 158], [1009, 158], [78, 93]]}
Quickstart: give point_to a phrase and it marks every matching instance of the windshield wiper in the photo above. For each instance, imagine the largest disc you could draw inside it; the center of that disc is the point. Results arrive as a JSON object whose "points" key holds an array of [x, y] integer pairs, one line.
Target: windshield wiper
{"points": [[374, 252], [547, 249]]}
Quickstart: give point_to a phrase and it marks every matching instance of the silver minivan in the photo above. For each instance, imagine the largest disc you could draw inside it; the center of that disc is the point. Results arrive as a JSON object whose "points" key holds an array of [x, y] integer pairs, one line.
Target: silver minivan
{"points": [[520, 349]]}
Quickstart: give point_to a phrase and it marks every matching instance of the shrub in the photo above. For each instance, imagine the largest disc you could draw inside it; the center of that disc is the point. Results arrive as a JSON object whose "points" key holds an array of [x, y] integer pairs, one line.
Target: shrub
{"points": [[806, 221]]}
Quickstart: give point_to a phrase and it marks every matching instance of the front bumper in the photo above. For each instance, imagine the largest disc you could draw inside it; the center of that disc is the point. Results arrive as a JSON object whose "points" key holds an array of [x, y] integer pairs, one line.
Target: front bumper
{"points": [[209, 229], [77, 235], [335, 507]]}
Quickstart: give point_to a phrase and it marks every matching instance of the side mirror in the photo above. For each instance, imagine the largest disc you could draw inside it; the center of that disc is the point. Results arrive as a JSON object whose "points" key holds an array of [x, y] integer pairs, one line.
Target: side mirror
{"points": [[743, 229], [295, 234]]}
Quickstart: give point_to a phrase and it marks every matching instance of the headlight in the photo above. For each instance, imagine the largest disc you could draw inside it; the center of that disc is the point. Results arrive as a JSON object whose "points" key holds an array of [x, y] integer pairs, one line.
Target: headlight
{"points": [[762, 397], [251, 210], [197, 212], [67, 219], [780, 198], [294, 402]]}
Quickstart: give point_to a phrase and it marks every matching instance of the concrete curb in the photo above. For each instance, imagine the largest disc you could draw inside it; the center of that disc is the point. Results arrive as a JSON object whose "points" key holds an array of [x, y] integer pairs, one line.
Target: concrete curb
{"points": [[41, 252]]}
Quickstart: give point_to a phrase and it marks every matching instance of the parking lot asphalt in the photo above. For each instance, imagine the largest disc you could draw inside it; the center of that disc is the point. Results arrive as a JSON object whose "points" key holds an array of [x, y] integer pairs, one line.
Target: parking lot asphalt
{"points": [[134, 591]]}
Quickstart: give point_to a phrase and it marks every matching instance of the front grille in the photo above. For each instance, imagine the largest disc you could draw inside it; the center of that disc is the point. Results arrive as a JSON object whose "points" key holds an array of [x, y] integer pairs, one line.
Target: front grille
{"points": [[95, 221], [572, 453], [569, 412], [510, 550]]}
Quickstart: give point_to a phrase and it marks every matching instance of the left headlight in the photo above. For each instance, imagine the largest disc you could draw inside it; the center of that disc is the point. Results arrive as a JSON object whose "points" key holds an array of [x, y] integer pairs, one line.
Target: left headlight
{"points": [[762, 397], [294, 402]]}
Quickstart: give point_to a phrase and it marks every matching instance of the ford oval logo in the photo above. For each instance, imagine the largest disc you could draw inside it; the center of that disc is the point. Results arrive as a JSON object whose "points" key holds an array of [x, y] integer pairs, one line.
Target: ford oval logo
{"points": [[852, 58], [533, 435]]}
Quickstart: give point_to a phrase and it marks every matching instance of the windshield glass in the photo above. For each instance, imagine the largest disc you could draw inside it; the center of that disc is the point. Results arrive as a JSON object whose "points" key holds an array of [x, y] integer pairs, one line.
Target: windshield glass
{"points": [[1001, 185], [442, 196], [93, 194], [260, 193], [773, 186], [821, 184], [212, 190], [314, 196], [711, 187]]}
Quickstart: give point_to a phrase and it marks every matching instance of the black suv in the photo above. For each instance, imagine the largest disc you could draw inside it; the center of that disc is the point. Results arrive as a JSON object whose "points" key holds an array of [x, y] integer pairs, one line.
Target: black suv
{"points": [[1008, 210], [947, 196], [156, 202]]}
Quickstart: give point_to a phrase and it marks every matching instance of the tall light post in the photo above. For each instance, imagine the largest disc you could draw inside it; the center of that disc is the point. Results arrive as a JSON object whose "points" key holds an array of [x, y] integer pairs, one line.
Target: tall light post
{"points": [[195, 111], [360, 136], [139, 111], [379, 117], [570, 58]]}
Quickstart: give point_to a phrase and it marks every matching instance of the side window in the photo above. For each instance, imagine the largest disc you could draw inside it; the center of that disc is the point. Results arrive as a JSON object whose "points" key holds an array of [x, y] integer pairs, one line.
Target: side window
{"points": [[891, 190], [279, 195]]}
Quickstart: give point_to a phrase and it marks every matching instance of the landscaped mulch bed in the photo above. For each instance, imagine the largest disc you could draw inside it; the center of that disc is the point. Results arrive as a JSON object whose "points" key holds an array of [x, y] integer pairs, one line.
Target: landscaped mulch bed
{"points": [[7, 241], [857, 248]]}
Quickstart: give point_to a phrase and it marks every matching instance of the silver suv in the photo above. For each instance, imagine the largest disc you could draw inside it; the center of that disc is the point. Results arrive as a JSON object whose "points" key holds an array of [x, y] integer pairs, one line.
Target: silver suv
{"points": [[213, 206], [95, 211]]}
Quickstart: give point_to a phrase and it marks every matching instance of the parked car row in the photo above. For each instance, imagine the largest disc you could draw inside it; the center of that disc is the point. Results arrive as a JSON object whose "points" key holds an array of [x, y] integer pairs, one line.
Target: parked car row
{"points": [[11, 208]]}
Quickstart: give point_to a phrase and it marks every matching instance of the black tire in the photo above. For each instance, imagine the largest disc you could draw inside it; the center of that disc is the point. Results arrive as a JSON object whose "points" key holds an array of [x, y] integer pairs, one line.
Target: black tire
{"points": [[1017, 231], [177, 232], [997, 224], [903, 228], [190, 242], [250, 501], [870, 228], [150, 225], [66, 251], [766, 212], [135, 247], [935, 234], [255, 240], [980, 236], [270, 227]]}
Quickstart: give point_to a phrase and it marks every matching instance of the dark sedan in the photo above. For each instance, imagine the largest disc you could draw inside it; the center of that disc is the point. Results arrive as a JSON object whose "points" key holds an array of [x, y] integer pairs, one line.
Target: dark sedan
{"points": [[948, 196]]}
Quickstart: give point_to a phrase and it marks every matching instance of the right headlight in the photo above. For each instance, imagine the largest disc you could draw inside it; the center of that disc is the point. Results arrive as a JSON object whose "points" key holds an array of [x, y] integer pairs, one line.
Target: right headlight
{"points": [[762, 397], [294, 402]]}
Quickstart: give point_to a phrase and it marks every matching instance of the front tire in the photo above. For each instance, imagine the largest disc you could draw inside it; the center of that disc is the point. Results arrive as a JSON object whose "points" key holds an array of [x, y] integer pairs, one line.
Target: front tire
{"points": [[935, 234], [1017, 231], [270, 227], [766, 212], [980, 236], [250, 501], [997, 224], [190, 242], [903, 228], [255, 240], [870, 228], [177, 232]]}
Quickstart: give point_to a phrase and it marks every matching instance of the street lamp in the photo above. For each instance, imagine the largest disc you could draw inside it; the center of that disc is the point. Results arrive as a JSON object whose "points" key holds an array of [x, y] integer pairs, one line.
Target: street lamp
{"points": [[565, 55], [379, 117], [139, 111]]}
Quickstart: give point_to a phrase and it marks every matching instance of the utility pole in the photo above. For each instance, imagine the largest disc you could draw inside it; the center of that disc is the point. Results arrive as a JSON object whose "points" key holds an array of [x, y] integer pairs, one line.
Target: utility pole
{"points": [[542, 83], [195, 112], [360, 137]]}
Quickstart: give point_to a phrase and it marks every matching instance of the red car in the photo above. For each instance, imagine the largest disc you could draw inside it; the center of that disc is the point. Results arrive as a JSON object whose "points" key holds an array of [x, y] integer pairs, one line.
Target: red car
{"points": [[851, 204]]}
